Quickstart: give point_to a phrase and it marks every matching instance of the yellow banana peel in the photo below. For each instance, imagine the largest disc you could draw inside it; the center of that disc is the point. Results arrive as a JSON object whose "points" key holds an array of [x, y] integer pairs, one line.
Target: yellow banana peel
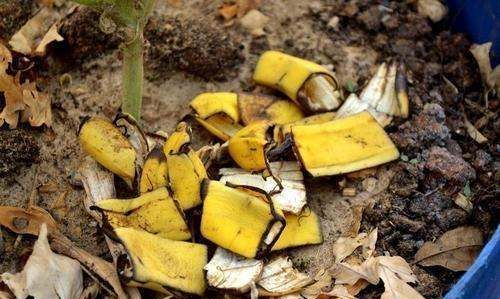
{"points": [[307, 83], [155, 212], [239, 222], [184, 167], [302, 229], [159, 261], [104, 142], [154, 171], [258, 107], [247, 147], [341, 146]]}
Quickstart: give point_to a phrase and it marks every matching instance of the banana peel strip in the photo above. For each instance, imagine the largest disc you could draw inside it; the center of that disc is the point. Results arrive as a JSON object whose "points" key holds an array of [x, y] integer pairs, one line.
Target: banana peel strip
{"points": [[155, 212], [238, 221], [154, 172], [104, 142], [258, 107], [344, 145], [384, 96], [292, 76], [280, 278], [303, 229], [292, 197], [152, 261], [233, 272], [184, 167]]}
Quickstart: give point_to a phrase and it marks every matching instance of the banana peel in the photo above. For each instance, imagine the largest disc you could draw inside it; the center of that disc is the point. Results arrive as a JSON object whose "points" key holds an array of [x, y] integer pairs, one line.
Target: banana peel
{"points": [[310, 85], [222, 112], [291, 198], [385, 96], [184, 167], [232, 272], [303, 229], [155, 212], [286, 129], [154, 171], [344, 145], [248, 146], [238, 221], [104, 142], [279, 278], [160, 261]]}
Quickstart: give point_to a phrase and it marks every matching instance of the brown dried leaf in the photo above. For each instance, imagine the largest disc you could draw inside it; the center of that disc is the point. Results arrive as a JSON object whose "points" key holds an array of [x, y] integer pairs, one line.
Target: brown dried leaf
{"points": [[14, 103], [29, 221], [456, 249], [46, 275], [338, 291], [25, 41], [228, 11], [280, 278], [5, 58], [346, 273], [345, 246], [473, 132], [396, 288], [50, 36], [39, 111], [481, 54], [323, 281]]}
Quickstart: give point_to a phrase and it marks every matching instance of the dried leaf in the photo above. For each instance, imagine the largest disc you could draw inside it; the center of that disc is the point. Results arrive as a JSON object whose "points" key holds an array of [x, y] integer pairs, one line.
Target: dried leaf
{"points": [[29, 221], [39, 111], [398, 266], [456, 249], [463, 202], [13, 94], [254, 21], [25, 41], [346, 273], [338, 291], [5, 58], [228, 11], [482, 55], [50, 36], [396, 288], [323, 281], [46, 275], [433, 9], [345, 246], [473, 132]]}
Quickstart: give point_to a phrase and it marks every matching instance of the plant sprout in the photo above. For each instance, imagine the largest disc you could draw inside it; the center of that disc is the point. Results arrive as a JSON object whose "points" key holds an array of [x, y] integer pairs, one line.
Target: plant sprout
{"points": [[129, 17]]}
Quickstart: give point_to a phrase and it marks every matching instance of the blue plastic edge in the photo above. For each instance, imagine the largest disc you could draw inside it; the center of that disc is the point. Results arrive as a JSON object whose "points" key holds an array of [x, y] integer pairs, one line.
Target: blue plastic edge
{"points": [[482, 279]]}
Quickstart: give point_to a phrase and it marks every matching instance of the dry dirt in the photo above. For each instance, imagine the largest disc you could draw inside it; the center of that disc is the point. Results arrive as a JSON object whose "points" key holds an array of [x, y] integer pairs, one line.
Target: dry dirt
{"points": [[191, 51]]}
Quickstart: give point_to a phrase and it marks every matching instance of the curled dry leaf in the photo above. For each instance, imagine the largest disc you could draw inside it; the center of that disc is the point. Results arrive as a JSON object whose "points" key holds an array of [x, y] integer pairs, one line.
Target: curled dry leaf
{"points": [[280, 278], [456, 249], [396, 273], [433, 9], [50, 36], [345, 246], [27, 39], [474, 132], [29, 221], [46, 275], [39, 111], [346, 273], [481, 54]]}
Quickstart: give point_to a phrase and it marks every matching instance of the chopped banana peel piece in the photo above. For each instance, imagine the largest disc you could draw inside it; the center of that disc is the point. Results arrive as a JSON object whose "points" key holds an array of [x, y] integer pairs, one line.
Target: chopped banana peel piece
{"points": [[344, 145], [220, 125], [184, 168], [154, 172], [185, 176], [211, 103], [292, 197], [238, 221], [310, 120], [175, 264], [247, 147], [134, 134], [279, 278], [106, 144], [384, 96], [257, 107], [179, 139], [155, 212], [230, 271], [218, 113], [307, 83], [303, 229]]}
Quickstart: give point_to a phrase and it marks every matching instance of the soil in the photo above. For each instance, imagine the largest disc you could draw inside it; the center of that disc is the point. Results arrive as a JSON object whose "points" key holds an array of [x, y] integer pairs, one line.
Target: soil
{"points": [[191, 50]]}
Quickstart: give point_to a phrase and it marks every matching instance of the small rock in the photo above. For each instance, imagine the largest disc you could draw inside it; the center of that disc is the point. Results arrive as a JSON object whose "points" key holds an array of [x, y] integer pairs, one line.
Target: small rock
{"points": [[333, 23], [254, 21], [451, 167]]}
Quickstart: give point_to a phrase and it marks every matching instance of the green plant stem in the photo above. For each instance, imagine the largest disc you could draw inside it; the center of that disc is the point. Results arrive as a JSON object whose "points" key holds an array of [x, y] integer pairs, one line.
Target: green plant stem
{"points": [[132, 77]]}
